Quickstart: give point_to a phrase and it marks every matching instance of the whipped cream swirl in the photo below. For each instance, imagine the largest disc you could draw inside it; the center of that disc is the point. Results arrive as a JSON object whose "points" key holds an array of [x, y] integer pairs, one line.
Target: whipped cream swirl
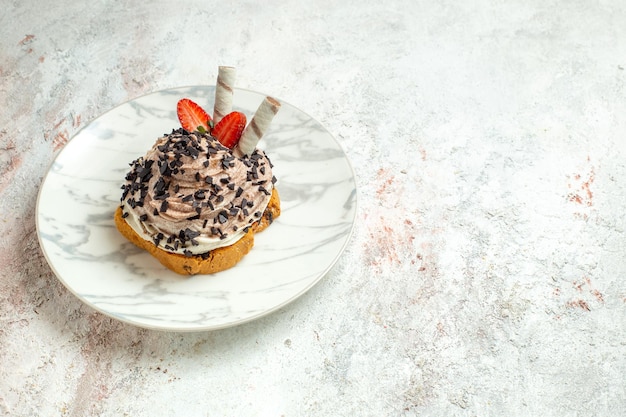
{"points": [[190, 194]]}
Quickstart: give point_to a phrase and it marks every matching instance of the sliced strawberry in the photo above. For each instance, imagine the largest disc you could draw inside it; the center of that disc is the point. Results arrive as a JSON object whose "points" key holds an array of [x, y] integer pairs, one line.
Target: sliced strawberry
{"points": [[229, 129], [192, 117]]}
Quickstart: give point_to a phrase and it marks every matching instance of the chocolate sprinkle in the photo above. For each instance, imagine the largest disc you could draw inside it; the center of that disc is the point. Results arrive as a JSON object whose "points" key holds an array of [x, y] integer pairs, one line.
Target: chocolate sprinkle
{"points": [[190, 234], [164, 168]]}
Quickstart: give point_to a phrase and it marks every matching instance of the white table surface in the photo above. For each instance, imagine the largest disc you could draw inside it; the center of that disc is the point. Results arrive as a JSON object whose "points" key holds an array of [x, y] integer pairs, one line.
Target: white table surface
{"points": [[486, 275]]}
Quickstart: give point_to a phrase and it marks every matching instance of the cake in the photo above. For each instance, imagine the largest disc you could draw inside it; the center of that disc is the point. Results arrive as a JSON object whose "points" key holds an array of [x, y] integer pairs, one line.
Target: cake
{"points": [[196, 199]]}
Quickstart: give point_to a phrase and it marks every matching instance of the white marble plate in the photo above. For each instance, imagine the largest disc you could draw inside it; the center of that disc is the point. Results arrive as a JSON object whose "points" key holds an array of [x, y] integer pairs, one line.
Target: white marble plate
{"points": [[81, 191]]}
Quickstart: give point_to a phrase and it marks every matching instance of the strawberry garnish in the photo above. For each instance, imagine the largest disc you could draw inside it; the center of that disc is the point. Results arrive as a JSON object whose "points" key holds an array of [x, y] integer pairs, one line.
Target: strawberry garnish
{"points": [[192, 117], [229, 129]]}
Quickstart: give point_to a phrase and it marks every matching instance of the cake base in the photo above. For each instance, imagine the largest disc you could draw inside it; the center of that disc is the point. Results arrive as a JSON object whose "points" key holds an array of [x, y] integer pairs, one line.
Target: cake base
{"points": [[216, 260]]}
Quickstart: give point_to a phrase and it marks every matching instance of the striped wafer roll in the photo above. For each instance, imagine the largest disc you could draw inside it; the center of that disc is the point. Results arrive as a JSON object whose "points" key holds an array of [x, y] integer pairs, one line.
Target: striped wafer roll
{"points": [[224, 92], [258, 125]]}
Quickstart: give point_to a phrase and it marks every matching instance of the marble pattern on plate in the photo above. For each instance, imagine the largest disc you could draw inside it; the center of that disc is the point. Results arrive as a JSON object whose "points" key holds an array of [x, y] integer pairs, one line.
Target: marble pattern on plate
{"points": [[82, 190]]}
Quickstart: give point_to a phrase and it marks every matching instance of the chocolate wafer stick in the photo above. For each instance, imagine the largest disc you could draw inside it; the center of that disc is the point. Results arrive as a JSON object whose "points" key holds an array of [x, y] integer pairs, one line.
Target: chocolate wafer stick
{"points": [[224, 92], [258, 125]]}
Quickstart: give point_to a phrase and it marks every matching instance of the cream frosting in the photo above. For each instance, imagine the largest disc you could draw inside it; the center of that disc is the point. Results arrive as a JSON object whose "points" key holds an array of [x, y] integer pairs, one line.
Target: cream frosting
{"points": [[189, 194]]}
